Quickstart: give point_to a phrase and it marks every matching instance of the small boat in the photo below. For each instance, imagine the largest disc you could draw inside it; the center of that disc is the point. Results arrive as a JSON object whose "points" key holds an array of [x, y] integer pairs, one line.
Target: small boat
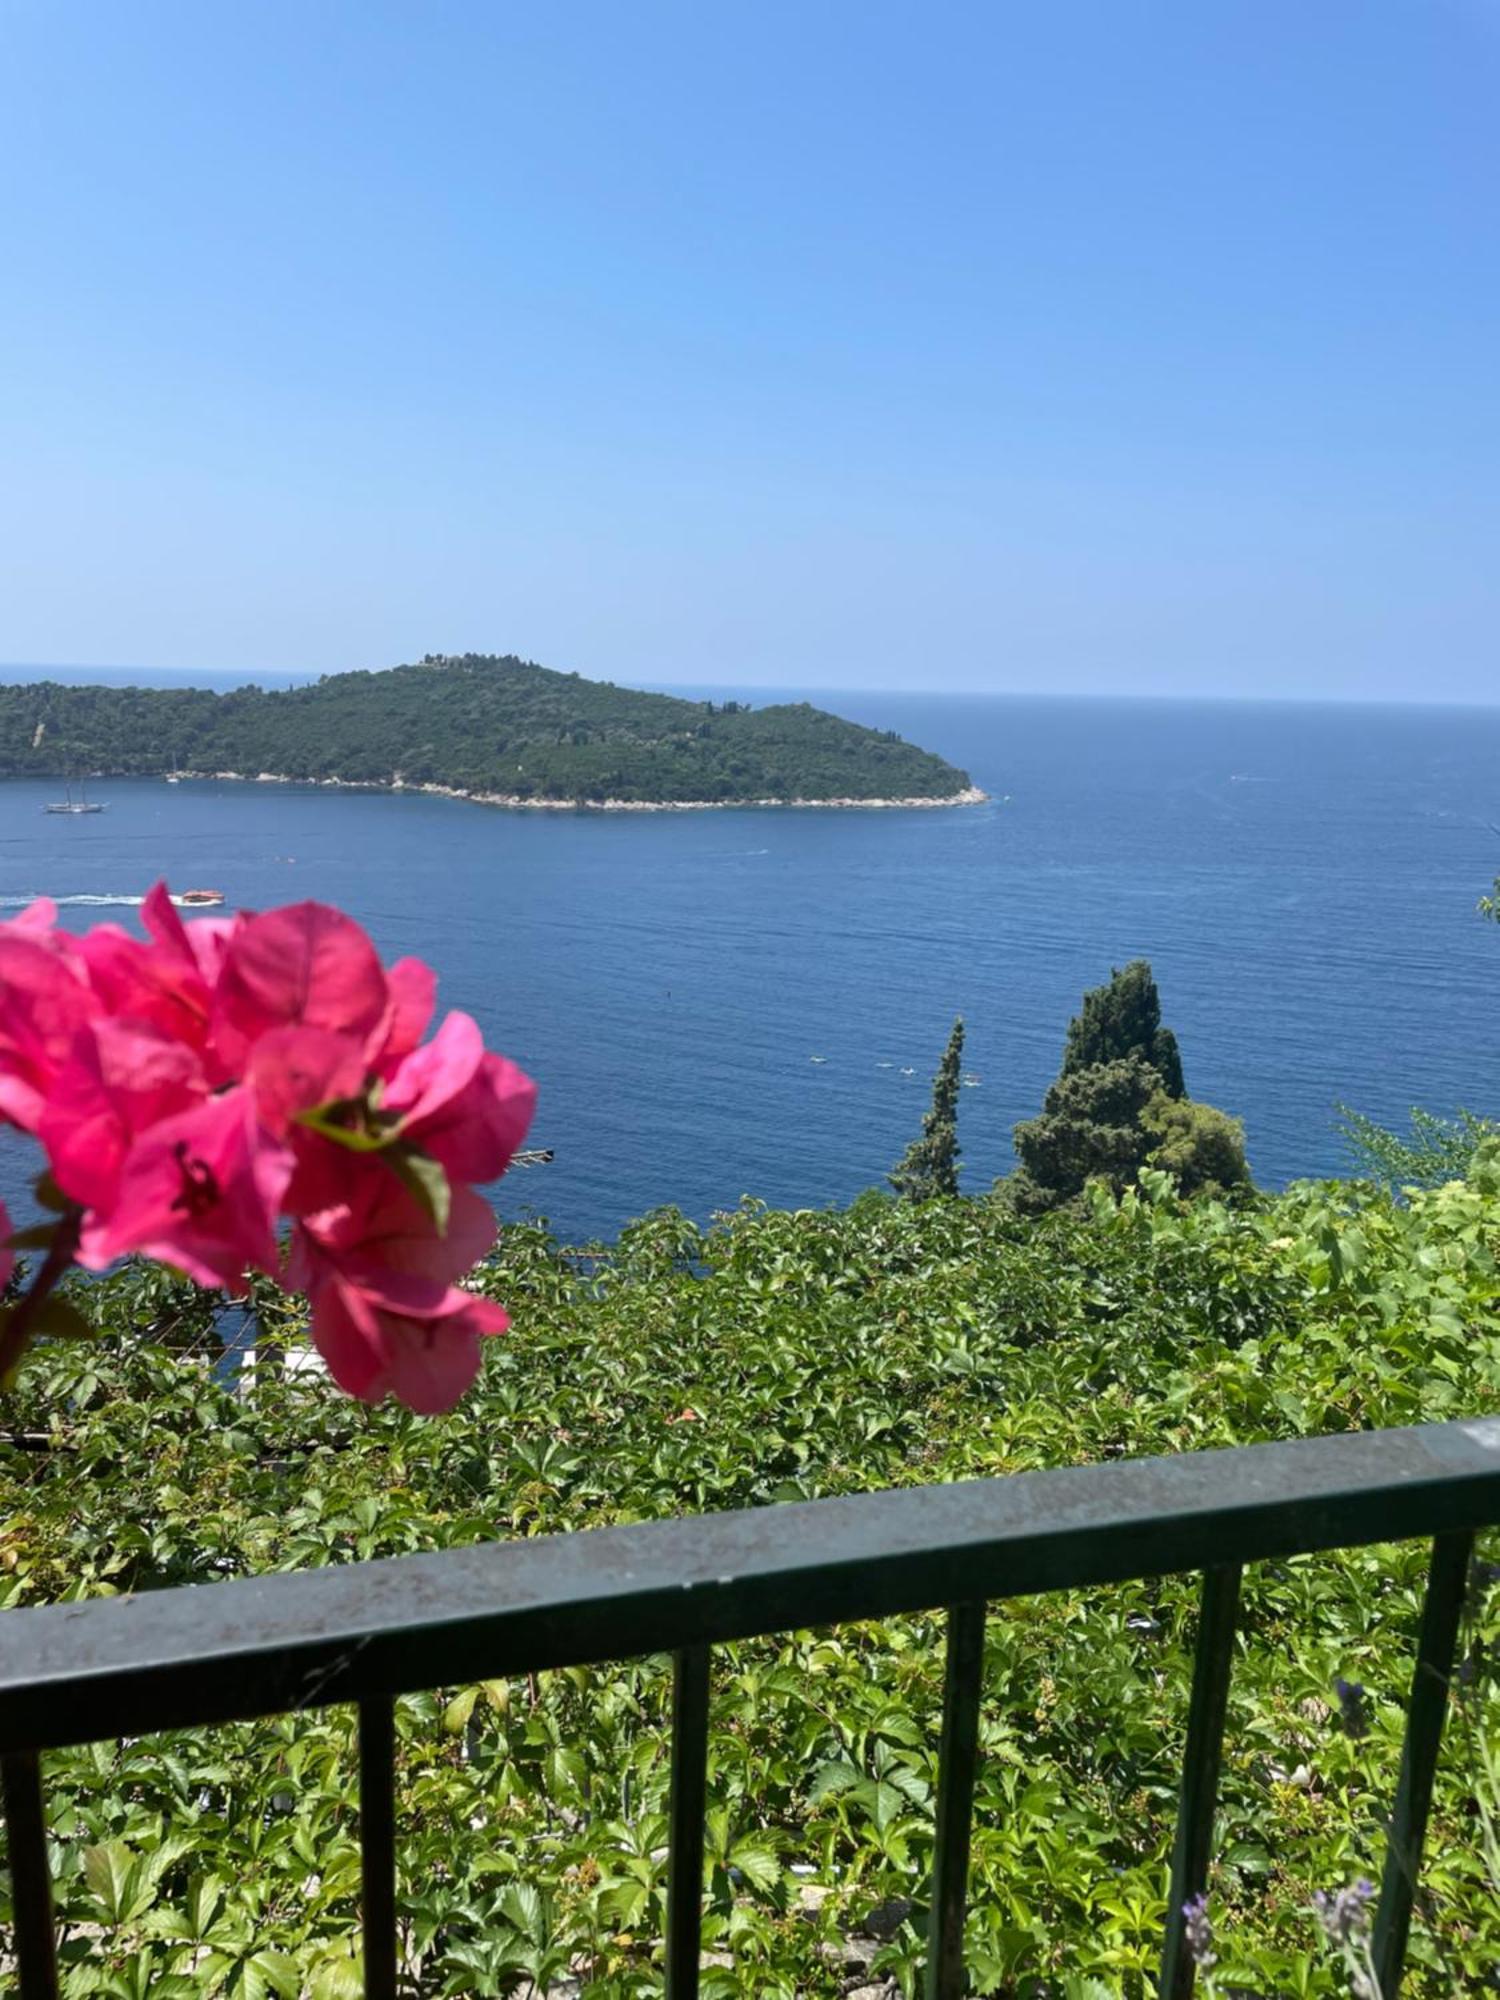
{"points": [[71, 805], [173, 779], [817, 1059], [199, 899]]}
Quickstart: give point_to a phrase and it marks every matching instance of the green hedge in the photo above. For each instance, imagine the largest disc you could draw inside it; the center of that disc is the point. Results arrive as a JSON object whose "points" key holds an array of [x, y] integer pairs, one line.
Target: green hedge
{"points": [[817, 1353]]}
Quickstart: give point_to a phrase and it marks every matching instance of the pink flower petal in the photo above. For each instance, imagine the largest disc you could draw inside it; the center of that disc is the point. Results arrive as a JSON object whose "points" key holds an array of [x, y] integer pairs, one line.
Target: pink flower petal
{"points": [[145, 982], [198, 946], [426, 1360], [199, 1191], [413, 990], [468, 1109], [382, 1229], [292, 1070], [165, 927], [306, 965], [431, 1076], [122, 1078], [38, 917], [43, 1004]]}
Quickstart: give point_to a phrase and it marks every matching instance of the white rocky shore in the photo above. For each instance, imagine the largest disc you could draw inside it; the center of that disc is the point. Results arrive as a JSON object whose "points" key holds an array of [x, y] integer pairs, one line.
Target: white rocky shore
{"points": [[973, 796]]}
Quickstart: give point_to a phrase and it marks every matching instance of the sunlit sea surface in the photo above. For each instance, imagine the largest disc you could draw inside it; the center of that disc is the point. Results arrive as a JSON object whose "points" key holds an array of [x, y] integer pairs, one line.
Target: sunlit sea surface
{"points": [[752, 1002]]}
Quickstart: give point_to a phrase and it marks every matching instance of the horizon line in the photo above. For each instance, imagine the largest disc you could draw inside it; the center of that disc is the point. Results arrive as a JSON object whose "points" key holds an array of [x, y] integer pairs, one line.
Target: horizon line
{"points": [[42, 668]]}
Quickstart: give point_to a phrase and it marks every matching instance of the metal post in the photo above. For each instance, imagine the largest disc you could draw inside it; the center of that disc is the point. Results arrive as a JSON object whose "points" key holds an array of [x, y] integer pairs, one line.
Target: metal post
{"points": [[688, 1800], [30, 1876], [958, 1757], [1199, 1795], [1447, 1577], [377, 1842]]}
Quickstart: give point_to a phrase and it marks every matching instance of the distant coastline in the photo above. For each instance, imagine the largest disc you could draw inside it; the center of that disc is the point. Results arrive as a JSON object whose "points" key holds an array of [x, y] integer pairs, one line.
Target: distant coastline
{"points": [[972, 795]]}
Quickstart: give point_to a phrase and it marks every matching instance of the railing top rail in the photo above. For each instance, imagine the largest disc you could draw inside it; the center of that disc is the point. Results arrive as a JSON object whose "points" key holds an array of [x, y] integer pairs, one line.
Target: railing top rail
{"points": [[255, 1646]]}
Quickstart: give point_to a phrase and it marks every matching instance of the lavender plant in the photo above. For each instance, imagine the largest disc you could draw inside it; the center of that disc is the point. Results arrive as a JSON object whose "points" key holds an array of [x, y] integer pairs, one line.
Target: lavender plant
{"points": [[1344, 1919], [1198, 1927]]}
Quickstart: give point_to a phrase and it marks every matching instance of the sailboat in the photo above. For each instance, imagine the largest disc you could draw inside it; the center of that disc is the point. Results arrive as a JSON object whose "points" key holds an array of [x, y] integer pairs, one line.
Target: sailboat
{"points": [[71, 805]]}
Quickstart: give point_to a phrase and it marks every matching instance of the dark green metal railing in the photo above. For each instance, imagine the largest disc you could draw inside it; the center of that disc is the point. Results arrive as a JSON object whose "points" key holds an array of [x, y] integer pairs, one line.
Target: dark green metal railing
{"points": [[372, 1631]]}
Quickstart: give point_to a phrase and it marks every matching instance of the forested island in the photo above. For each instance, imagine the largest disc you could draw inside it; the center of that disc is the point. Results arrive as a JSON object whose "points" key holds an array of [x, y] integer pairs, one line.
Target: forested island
{"points": [[494, 728]]}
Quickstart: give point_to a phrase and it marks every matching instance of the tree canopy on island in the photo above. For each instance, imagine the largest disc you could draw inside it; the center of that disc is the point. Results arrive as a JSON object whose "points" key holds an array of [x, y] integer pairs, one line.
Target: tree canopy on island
{"points": [[477, 723]]}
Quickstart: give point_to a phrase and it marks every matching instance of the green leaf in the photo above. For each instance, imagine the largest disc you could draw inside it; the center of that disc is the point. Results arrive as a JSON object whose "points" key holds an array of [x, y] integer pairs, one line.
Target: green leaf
{"points": [[760, 1866], [323, 1118], [456, 1714], [272, 1972], [837, 1775], [110, 1871], [425, 1179], [521, 1905], [337, 1979], [204, 1899]]}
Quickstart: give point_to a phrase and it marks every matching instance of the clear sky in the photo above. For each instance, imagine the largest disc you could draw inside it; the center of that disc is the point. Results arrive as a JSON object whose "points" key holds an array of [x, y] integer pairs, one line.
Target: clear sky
{"points": [[1126, 345]]}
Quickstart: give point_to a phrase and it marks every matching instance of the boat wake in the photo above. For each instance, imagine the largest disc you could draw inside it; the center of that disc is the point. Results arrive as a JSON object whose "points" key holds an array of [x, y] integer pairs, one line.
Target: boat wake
{"points": [[76, 902]]}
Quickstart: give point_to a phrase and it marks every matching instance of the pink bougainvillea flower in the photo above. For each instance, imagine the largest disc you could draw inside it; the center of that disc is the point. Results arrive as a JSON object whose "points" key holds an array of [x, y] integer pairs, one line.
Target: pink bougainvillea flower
{"points": [[196, 948], [385, 1315], [295, 1070], [193, 1088], [303, 966], [467, 1108], [143, 982], [44, 1001], [122, 1078], [425, 1355], [199, 1191], [413, 991], [380, 1232], [39, 916]]}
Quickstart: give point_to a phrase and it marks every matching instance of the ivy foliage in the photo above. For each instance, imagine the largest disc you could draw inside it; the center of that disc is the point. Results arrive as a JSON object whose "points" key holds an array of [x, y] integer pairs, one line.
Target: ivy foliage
{"points": [[783, 1356]]}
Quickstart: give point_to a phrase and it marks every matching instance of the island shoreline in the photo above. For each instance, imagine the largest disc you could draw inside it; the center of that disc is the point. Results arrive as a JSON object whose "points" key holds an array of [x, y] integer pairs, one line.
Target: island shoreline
{"points": [[972, 795]]}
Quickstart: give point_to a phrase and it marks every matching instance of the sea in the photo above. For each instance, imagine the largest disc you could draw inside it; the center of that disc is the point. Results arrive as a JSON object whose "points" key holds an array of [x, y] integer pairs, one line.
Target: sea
{"points": [[739, 1003]]}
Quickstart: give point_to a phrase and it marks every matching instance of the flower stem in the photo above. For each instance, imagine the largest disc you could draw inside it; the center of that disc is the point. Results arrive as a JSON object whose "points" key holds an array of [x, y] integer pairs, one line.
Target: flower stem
{"points": [[16, 1326]]}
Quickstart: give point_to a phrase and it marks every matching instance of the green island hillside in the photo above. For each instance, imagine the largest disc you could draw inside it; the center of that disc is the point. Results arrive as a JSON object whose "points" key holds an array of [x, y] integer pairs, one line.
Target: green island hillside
{"points": [[497, 728]]}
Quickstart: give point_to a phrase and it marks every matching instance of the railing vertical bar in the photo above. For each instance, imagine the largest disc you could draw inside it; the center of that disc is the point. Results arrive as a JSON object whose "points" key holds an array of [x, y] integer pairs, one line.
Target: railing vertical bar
{"points": [[958, 1757], [30, 1875], [688, 1802], [1447, 1577], [1201, 1757], [377, 1842]]}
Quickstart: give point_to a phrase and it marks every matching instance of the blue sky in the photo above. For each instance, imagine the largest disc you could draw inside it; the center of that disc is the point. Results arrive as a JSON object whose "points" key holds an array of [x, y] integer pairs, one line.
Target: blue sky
{"points": [[1127, 347]]}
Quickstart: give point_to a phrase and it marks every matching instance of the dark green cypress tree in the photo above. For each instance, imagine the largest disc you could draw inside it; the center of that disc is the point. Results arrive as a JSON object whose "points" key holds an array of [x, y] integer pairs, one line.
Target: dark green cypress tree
{"points": [[929, 1166], [1119, 1104], [1121, 1020], [1089, 1128]]}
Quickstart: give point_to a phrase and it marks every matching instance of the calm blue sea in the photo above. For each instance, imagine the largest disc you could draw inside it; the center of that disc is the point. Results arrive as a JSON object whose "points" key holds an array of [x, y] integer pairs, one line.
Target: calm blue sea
{"points": [[1302, 878]]}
